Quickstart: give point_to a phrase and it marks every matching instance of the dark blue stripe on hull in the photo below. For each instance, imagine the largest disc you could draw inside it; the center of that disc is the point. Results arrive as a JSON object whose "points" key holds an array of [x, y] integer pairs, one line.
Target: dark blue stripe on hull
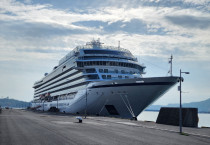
{"points": [[134, 84]]}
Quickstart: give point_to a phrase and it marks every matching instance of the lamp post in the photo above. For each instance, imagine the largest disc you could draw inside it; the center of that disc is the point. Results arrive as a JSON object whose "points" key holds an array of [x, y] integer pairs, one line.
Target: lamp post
{"points": [[180, 108], [86, 104], [43, 105], [57, 101]]}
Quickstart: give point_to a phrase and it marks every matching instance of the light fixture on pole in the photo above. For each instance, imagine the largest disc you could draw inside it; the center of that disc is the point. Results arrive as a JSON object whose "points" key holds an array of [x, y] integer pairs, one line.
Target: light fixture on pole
{"points": [[180, 108]]}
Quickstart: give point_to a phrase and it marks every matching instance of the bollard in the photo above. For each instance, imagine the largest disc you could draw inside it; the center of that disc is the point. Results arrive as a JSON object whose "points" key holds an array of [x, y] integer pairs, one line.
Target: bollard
{"points": [[79, 118]]}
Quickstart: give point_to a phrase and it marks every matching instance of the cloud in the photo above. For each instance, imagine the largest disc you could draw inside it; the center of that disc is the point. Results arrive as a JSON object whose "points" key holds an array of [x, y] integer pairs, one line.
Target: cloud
{"points": [[35, 34], [38, 50], [190, 21], [36, 29], [41, 25], [197, 2], [136, 26]]}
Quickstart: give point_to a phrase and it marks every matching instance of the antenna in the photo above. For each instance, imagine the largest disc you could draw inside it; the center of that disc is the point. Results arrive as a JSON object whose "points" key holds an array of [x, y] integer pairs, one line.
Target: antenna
{"points": [[170, 61], [118, 44]]}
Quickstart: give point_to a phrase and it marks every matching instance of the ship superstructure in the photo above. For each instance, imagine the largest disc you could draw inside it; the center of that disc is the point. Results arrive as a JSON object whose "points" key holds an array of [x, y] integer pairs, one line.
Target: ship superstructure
{"points": [[99, 80]]}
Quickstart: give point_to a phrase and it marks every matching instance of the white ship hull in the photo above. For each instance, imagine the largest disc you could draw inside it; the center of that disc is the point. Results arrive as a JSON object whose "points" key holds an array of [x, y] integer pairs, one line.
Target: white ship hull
{"points": [[125, 98]]}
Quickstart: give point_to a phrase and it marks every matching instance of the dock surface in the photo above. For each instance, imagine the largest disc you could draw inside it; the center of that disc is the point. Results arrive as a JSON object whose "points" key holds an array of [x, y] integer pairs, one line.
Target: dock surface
{"points": [[21, 127]]}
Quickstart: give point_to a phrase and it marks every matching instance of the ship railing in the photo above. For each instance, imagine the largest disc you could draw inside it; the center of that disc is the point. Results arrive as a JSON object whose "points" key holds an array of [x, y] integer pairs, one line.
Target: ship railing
{"points": [[108, 59], [77, 49], [101, 47]]}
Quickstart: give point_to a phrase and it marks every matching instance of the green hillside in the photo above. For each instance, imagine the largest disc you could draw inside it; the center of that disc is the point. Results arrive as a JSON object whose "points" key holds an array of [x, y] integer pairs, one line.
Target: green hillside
{"points": [[12, 103], [203, 106]]}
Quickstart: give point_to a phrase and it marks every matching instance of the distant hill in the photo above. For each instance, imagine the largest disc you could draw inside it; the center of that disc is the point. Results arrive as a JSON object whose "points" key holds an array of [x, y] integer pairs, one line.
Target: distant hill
{"points": [[12, 103], [203, 106]]}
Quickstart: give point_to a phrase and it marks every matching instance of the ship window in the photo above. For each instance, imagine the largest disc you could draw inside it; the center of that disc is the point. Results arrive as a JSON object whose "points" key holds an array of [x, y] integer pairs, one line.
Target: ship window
{"points": [[104, 76], [122, 71], [92, 70], [109, 77], [107, 52], [107, 63], [120, 77], [92, 77], [126, 77], [64, 66], [104, 57], [101, 70], [105, 70], [55, 67], [80, 64]]}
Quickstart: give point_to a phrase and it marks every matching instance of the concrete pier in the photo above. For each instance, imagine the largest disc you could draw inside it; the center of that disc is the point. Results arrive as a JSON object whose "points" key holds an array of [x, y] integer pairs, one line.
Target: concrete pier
{"points": [[21, 127]]}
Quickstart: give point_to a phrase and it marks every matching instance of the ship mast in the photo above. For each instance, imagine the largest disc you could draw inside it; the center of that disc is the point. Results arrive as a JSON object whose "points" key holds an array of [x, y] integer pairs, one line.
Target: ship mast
{"points": [[170, 61]]}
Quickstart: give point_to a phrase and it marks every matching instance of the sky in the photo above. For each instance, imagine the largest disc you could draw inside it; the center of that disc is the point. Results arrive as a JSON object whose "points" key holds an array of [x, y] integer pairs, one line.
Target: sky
{"points": [[36, 34]]}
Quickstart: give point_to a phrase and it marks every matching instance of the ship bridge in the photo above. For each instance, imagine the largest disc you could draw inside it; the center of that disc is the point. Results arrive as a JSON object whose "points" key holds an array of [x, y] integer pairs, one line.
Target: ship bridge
{"points": [[100, 62]]}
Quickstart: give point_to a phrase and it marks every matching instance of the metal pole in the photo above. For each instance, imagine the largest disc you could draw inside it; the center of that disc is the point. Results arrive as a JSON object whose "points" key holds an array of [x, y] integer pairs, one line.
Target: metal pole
{"points": [[86, 105], [43, 105], [57, 102], [171, 64], [180, 108]]}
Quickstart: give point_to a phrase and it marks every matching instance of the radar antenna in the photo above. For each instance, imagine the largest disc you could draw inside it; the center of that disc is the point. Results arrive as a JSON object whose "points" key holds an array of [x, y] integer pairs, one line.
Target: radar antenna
{"points": [[170, 61]]}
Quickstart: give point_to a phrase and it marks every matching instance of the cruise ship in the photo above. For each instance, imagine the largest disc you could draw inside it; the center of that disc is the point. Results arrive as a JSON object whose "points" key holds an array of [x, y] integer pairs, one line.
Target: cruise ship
{"points": [[95, 79]]}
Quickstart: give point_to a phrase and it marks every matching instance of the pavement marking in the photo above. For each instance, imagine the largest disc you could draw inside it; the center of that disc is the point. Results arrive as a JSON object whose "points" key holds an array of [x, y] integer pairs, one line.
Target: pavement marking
{"points": [[67, 123], [62, 122], [128, 123], [95, 123], [152, 127], [200, 135]]}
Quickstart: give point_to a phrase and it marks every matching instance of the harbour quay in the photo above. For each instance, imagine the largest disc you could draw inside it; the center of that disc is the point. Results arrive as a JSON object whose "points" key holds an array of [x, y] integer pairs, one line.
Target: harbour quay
{"points": [[22, 127]]}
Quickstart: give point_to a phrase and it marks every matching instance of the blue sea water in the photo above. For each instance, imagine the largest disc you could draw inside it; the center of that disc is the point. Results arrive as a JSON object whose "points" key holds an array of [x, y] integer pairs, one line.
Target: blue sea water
{"points": [[204, 118]]}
